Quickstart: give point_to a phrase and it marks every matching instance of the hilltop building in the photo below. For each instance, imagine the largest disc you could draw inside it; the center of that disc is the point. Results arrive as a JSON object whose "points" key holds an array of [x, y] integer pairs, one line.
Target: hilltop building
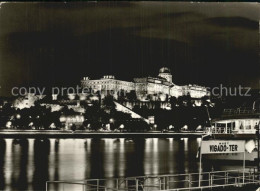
{"points": [[147, 88]]}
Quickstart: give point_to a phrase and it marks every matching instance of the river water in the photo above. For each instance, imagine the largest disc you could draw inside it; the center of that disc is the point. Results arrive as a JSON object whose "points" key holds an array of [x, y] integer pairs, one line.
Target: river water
{"points": [[27, 164]]}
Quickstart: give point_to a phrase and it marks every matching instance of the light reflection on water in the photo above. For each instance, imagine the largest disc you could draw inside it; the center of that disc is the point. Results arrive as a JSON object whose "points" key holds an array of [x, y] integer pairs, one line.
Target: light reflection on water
{"points": [[26, 164]]}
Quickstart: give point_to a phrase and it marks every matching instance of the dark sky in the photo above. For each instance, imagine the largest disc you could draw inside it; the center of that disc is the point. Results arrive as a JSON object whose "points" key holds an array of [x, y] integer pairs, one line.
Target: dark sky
{"points": [[45, 44]]}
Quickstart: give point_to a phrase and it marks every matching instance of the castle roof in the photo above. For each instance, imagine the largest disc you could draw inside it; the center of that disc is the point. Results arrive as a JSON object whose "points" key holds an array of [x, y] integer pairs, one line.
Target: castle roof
{"points": [[164, 70]]}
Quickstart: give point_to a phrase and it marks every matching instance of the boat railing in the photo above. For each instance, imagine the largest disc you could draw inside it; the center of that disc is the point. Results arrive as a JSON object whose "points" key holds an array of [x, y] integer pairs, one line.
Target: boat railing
{"points": [[224, 130], [241, 111], [190, 181], [221, 130]]}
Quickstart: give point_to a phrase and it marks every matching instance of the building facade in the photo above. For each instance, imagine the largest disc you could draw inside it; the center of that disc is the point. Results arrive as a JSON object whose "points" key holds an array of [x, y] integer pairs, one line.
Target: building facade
{"points": [[107, 85], [147, 88]]}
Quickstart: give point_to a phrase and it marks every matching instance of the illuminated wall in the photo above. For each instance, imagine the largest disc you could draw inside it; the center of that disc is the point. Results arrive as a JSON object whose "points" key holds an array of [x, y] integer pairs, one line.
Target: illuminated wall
{"points": [[146, 88]]}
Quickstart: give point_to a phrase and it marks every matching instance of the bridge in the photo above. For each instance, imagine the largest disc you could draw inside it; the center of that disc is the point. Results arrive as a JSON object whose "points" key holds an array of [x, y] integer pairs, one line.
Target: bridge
{"points": [[215, 180]]}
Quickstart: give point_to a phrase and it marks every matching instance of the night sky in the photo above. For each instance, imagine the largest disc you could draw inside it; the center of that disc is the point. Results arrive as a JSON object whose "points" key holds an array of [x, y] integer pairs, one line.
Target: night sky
{"points": [[56, 44]]}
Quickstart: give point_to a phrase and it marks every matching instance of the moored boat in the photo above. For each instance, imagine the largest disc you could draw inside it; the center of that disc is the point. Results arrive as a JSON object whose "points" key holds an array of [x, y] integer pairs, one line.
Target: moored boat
{"points": [[236, 123], [239, 124]]}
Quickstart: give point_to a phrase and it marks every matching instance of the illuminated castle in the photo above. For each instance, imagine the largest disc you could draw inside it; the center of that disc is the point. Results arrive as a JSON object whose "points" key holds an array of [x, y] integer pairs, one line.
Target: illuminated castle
{"points": [[147, 88]]}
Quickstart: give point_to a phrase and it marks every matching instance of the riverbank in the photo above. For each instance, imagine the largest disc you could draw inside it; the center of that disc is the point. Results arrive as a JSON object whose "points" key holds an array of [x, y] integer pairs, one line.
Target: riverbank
{"points": [[87, 134]]}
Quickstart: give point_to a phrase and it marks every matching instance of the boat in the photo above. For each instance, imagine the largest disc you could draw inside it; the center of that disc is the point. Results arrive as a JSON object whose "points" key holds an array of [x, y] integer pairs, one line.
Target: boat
{"points": [[238, 124]]}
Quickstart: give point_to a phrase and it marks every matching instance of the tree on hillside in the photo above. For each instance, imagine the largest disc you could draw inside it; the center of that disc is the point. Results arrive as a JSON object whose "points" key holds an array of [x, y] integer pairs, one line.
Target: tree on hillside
{"points": [[131, 96], [173, 101], [108, 102]]}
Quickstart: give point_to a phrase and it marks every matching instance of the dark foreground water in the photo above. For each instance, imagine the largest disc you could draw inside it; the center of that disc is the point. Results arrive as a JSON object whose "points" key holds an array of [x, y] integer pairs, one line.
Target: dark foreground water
{"points": [[27, 164]]}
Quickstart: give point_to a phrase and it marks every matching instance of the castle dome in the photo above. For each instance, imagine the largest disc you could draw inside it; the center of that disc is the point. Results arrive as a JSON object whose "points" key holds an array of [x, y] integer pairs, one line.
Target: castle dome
{"points": [[165, 70], [165, 73]]}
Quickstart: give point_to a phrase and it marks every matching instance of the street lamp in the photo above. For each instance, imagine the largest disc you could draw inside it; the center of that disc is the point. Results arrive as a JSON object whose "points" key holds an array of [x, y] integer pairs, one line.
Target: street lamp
{"points": [[111, 120], [18, 116]]}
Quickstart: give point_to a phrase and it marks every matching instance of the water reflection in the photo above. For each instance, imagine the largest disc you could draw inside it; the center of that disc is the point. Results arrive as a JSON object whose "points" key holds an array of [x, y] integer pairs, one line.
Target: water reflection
{"points": [[26, 164], [23, 160], [2, 163], [54, 161], [121, 158], [170, 155], [41, 163], [87, 151], [151, 158]]}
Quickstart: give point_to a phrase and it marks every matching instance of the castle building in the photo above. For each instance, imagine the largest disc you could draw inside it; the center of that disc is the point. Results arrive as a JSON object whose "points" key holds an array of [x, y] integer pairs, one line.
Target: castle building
{"points": [[107, 84], [156, 88], [147, 88]]}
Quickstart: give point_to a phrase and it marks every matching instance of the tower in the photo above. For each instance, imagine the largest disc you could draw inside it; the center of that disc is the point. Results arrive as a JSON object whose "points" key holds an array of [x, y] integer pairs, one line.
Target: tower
{"points": [[165, 73]]}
